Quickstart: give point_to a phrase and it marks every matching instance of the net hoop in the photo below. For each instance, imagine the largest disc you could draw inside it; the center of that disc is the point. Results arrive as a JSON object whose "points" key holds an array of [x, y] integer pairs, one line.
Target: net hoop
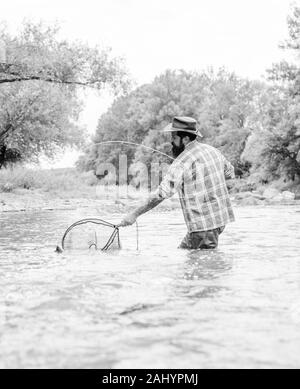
{"points": [[115, 233]]}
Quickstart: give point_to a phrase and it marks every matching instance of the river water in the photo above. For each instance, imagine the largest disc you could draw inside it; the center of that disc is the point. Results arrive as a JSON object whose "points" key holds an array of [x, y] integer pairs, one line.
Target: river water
{"points": [[159, 307]]}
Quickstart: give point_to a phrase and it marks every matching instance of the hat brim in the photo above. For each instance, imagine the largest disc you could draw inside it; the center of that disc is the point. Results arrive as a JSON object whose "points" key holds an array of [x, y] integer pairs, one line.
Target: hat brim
{"points": [[170, 128]]}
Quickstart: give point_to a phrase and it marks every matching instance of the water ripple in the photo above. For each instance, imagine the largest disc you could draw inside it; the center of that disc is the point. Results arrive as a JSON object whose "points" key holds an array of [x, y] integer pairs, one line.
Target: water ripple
{"points": [[237, 306]]}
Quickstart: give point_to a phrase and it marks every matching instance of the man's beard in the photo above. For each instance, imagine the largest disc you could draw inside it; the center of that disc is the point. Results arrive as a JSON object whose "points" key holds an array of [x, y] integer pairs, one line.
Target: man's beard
{"points": [[177, 150]]}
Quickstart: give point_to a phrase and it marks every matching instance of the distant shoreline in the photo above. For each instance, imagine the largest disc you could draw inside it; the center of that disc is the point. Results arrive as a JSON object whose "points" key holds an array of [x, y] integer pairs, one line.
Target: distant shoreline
{"points": [[24, 189], [22, 200]]}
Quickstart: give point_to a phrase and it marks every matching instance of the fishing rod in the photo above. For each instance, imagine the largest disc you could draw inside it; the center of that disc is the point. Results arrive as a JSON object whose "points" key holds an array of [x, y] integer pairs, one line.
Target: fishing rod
{"points": [[134, 144]]}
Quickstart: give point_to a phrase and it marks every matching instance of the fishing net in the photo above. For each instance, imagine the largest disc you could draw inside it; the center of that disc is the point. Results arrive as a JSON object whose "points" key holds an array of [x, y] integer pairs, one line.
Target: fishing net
{"points": [[92, 234], [96, 234]]}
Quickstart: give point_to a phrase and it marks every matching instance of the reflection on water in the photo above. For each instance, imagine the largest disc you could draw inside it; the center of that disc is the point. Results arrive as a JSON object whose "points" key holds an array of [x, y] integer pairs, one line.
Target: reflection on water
{"points": [[159, 307], [209, 265]]}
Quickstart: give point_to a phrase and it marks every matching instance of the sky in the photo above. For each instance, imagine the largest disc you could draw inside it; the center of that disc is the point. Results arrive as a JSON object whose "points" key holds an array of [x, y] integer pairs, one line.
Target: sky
{"points": [[155, 35]]}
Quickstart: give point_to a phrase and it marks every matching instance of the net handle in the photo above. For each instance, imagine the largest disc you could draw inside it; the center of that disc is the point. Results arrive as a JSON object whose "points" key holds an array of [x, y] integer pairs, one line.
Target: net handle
{"points": [[111, 239]]}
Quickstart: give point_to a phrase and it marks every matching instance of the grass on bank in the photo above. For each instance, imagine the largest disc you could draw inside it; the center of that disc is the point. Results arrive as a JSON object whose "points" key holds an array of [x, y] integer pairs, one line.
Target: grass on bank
{"points": [[64, 183], [72, 183], [53, 180]]}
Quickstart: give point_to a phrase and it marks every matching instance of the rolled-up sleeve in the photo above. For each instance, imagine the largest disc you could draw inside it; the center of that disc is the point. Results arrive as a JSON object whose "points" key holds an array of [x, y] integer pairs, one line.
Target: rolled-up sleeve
{"points": [[172, 181], [228, 169]]}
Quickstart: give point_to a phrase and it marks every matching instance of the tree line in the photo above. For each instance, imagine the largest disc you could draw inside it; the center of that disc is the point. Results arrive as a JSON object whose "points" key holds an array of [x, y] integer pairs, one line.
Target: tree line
{"points": [[255, 124]]}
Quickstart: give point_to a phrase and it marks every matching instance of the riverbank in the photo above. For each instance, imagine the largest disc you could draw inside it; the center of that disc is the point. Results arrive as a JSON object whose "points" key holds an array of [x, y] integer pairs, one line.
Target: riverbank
{"points": [[105, 304], [109, 199], [64, 189], [22, 200]]}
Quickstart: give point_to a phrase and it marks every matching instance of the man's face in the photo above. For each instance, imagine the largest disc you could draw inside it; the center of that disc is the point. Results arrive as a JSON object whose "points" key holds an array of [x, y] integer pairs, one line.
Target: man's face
{"points": [[177, 145]]}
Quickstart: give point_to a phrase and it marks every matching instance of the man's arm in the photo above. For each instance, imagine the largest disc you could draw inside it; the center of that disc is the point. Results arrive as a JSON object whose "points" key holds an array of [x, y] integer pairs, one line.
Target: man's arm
{"points": [[166, 189], [153, 200]]}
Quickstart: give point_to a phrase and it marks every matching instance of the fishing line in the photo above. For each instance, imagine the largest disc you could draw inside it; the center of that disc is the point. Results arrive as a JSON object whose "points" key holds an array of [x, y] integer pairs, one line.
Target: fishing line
{"points": [[137, 235], [134, 144], [115, 235]]}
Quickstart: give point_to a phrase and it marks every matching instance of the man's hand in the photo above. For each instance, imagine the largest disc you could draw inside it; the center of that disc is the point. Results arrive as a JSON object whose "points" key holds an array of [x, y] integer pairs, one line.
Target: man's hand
{"points": [[152, 201], [128, 220]]}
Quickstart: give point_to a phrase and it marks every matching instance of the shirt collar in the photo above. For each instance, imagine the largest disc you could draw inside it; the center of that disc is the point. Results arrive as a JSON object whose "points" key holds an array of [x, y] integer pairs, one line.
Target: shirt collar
{"points": [[190, 145]]}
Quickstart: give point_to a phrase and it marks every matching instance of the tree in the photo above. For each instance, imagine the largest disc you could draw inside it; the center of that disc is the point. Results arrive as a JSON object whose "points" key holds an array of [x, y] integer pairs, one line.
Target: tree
{"points": [[226, 115], [274, 147], [38, 54], [34, 119], [286, 73], [39, 105], [132, 117]]}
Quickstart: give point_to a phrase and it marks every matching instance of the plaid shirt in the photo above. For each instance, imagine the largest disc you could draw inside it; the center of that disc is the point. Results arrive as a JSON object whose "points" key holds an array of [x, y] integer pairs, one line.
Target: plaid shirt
{"points": [[198, 174]]}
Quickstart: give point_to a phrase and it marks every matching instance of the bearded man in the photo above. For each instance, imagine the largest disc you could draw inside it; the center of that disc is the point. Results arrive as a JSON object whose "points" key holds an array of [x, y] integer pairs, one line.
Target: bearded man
{"points": [[198, 174]]}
